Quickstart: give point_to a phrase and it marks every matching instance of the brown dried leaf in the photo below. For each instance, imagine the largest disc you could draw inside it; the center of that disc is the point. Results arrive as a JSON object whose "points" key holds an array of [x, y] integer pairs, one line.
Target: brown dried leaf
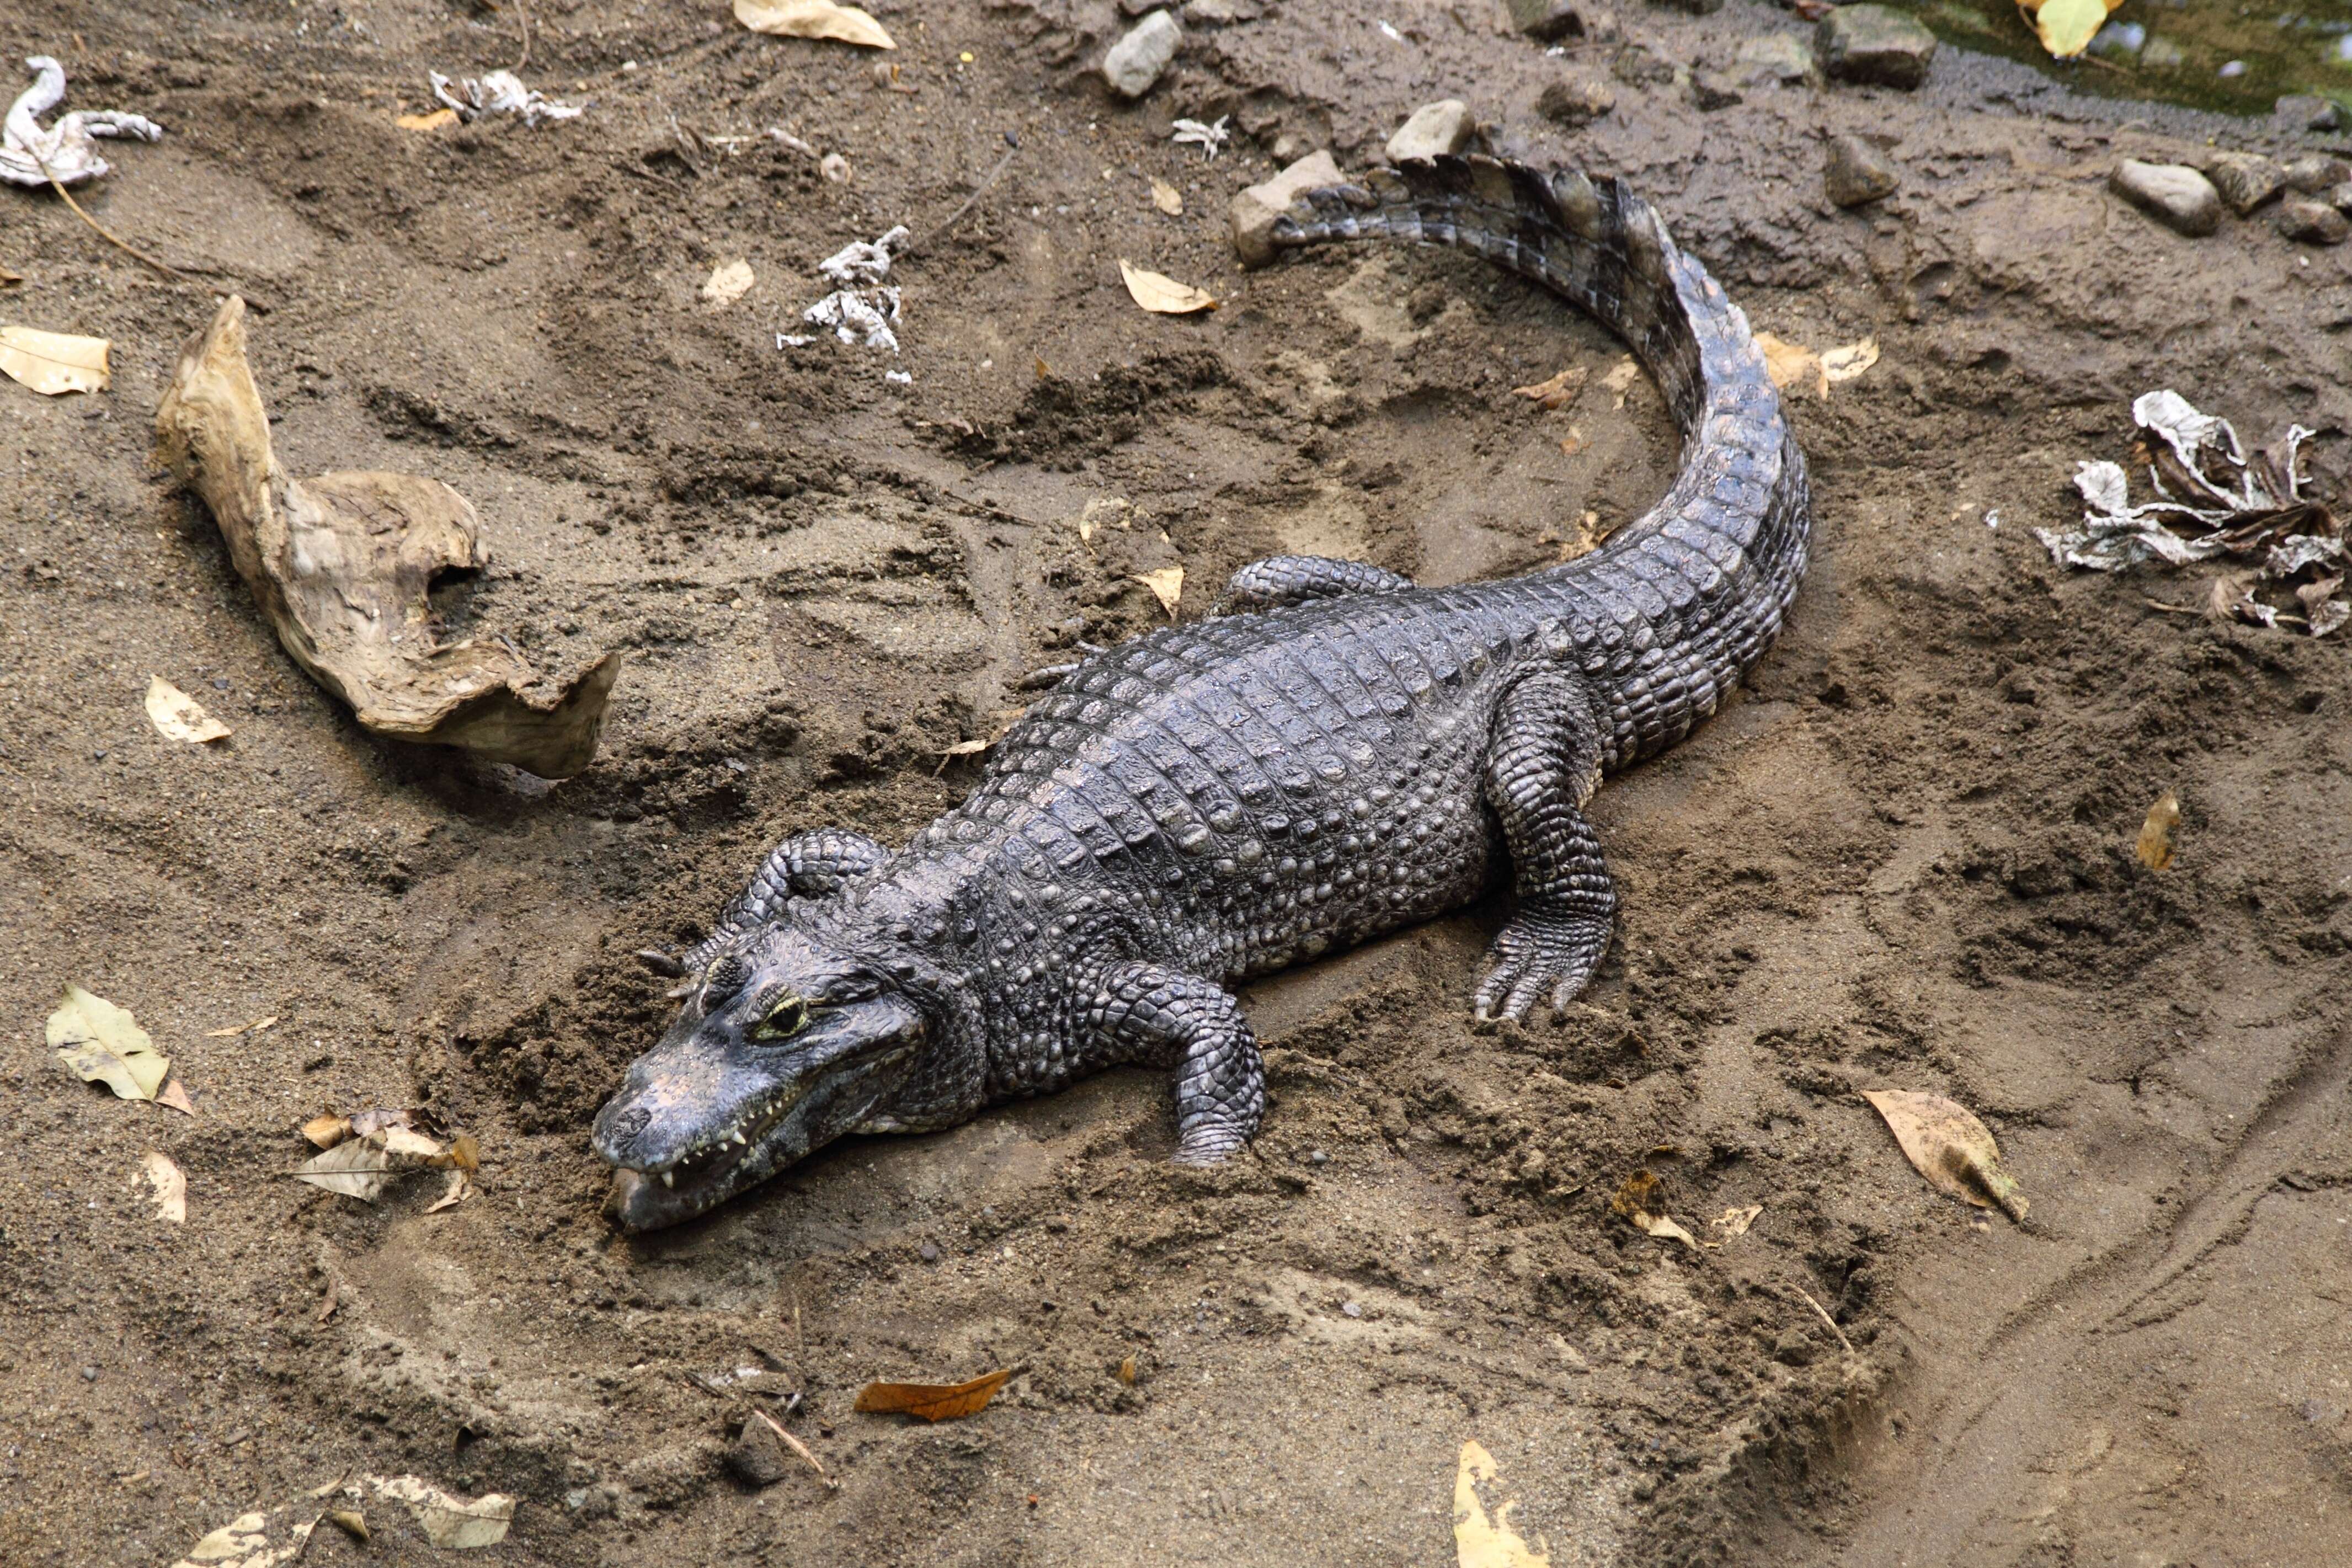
{"points": [[54, 364], [1127, 1370], [171, 1187], [813, 19], [931, 1401], [2155, 846], [1484, 1537], [1162, 295], [180, 716], [1552, 394], [327, 1130], [459, 1189], [1735, 1221], [1166, 586], [1950, 1147], [1636, 1199], [1166, 198], [341, 563], [175, 1094]]}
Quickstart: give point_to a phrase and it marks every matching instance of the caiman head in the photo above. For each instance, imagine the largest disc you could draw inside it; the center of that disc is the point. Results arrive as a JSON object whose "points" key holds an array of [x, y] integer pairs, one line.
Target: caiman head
{"points": [[787, 1040]]}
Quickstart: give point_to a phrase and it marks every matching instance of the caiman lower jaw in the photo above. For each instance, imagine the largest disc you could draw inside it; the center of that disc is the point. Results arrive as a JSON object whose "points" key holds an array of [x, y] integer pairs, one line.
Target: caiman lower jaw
{"points": [[706, 1175]]}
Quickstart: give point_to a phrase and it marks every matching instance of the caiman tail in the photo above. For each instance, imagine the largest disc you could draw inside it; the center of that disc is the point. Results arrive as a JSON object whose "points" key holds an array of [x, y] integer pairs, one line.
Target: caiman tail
{"points": [[1691, 595]]}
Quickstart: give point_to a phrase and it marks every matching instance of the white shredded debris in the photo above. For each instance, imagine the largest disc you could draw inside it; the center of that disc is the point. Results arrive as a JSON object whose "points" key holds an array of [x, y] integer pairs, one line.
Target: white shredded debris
{"points": [[783, 138], [901, 376], [792, 341], [1209, 139], [865, 263], [858, 316], [67, 148], [499, 92]]}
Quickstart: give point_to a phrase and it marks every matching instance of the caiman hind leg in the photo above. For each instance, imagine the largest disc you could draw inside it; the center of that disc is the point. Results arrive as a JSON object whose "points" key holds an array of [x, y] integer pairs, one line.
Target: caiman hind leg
{"points": [[1280, 581], [1152, 1013], [805, 865], [1543, 763]]}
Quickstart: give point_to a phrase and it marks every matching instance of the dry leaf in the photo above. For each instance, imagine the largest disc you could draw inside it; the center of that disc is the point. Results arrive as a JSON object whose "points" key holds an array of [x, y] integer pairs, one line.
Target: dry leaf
{"points": [[931, 1401], [1622, 377], [1166, 586], [1552, 394], [728, 282], [253, 1029], [54, 364], [813, 19], [341, 563], [101, 1043], [432, 121], [1164, 296], [350, 1521], [460, 1188], [175, 1094], [171, 1187], [1637, 1198], [1484, 1537], [2155, 846], [10, 279], [1735, 1221], [328, 1130], [180, 716], [1949, 1147], [1127, 1370], [376, 1121], [254, 1540], [1849, 360], [452, 1523], [2067, 27], [1166, 198], [363, 1165], [1793, 365]]}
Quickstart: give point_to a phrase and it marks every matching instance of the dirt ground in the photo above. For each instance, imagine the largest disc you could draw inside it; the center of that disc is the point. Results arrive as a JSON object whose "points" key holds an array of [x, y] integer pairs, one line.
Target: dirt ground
{"points": [[1902, 856]]}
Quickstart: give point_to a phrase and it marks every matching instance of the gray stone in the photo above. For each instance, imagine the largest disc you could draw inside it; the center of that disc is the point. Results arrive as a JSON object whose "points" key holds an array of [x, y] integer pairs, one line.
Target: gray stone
{"points": [[1695, 7], [2246, 180], [1134, 63], [2173, 194], [1636, 66], [1437, 128], [757, 1457], [1712, 91], [1220, 13], [1854, 173], [1874, 43], [1546, 21], [2299, 113], [2340, 198], [2314, 173], [1784, 58], [1253, 210], [1575, 102], [2313, 223]]}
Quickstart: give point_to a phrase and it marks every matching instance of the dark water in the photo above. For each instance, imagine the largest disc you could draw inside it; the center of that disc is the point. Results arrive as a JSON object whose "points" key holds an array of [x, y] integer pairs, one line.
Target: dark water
{"points": [[2211, 54]]}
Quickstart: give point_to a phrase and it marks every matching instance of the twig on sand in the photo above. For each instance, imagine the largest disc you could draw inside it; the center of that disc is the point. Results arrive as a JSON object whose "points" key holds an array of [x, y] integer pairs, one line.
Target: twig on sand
{"points": [[1825, 1317], [103, 232], [522, 11], [797, 1447], [969, 202]]}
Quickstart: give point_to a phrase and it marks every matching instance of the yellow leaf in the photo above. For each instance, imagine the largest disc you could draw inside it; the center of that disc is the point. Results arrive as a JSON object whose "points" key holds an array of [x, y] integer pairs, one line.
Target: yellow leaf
{"points": [[931, 1401], [1164, 296], [432, 121], [1550, 394], [1166, 198], [1950, 1147], [2155, 846], [101, 1043], [54, 363], [456, 1190], [728, 282], [1637, 1198], [1793, 364], [171, 1188], [1735, 1221], [2067, 27], [175, 1094], [1848, 361], [451, 1523], [1484, 1539], [179, 716], [1622, 377], [328, 1130], [1167, 584], [813, 19]]}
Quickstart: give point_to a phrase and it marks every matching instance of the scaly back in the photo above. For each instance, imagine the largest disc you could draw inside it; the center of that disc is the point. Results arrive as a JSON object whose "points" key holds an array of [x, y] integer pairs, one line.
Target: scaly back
{"points": [[1681, 603]]}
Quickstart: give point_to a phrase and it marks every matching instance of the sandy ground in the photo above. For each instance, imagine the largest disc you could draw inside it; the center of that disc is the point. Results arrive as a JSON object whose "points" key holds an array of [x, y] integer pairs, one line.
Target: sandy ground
{"points": [[1901, 856]]}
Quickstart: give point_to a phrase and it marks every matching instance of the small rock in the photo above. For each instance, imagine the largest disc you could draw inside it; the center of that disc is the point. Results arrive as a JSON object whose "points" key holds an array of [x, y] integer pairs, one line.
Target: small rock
{"points": [[1635, 65], [2314, 223], [2299, 112], [757, 1457], [2162, 55], [1696, 7], [1854, 171], [1794, 1348], [1711, 91], [2314, 173], [2340, 198], [1253, 210], [1546, 21], [1352, 1309], [1575, 102], [1220, 13], [1318, 1157], [1783, 57], [1874, 43], [1135, 62], [928, 1252], [1435, 129], [2246, 180], [89, 1375], [2173, 194], [1289, 146]]}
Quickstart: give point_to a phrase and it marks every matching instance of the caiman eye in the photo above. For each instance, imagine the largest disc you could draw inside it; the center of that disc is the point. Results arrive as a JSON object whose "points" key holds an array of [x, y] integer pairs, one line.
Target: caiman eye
{"points": [[788, 1016]]}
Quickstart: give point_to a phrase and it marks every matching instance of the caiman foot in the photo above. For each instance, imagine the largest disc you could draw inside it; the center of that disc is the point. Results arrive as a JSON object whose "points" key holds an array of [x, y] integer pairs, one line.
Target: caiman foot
{"points": [[1541, 953]]}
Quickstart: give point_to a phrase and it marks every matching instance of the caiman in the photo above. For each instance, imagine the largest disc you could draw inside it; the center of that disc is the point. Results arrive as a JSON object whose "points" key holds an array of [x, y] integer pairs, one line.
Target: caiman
{"points": [[1333, 753]]}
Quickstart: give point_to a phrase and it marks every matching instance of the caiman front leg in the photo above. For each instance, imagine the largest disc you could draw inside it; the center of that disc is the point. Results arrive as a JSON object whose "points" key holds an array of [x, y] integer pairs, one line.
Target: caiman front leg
{"points": [[1152, 1013], [1280, 581], [1543, 763], [805, 865]]}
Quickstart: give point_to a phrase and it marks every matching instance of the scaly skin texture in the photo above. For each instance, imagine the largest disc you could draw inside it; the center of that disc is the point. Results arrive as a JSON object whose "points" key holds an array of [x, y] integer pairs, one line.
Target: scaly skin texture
{"points": [[1334, 754]]}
